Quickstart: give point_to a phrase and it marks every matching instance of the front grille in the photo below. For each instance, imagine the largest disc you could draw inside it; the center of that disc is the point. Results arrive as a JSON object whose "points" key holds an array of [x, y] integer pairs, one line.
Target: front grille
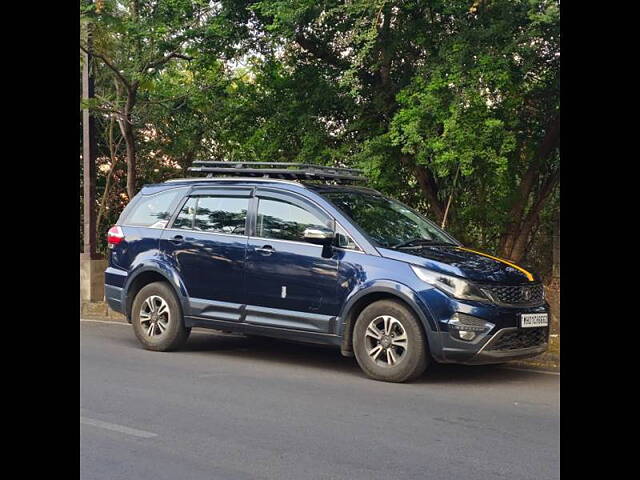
{"points": [[517, 339], [516, 294]]}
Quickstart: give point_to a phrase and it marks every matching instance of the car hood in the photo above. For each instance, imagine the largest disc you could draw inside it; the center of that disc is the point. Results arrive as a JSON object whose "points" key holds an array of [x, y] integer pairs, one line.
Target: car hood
{"points": [[463, 262]]}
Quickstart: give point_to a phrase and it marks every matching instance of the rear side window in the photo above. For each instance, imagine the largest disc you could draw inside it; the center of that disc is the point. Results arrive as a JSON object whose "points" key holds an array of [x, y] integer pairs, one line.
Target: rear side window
{"points": [[184, 220], [153, 211], [285, 221], [214, 215]]}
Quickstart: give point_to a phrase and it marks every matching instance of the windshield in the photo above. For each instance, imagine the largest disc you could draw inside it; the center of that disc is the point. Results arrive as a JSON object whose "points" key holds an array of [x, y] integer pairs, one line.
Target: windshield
{"points": [[388, 222]]}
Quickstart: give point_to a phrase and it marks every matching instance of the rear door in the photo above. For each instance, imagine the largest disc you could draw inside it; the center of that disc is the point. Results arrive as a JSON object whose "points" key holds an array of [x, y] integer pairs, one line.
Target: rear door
{"points": [[289, 283], [207, 241], [142, 223]]}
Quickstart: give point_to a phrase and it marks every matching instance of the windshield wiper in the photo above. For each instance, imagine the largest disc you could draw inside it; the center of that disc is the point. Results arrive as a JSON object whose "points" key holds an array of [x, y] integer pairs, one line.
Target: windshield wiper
{"points": [[425, 241]]}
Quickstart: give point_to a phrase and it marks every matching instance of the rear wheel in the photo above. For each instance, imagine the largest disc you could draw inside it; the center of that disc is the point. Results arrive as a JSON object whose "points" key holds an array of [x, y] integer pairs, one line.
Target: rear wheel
{"points": [[389, 343], [157, 319]]}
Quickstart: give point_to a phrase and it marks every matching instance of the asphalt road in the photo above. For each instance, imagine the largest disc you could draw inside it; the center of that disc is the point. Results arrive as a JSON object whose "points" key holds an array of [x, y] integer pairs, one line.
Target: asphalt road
{"points": [[229, 407]]}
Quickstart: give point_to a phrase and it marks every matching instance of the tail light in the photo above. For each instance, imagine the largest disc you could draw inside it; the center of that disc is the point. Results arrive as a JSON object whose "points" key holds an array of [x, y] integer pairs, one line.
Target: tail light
{"points": [[115, 235]]}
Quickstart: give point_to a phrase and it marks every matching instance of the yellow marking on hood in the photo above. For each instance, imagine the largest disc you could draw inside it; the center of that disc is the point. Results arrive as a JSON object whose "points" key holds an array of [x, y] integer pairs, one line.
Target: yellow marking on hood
{"points": [[528, 275]]}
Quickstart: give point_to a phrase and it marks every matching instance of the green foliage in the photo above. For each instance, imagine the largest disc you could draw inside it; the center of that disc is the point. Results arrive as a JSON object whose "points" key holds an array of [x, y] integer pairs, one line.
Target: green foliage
{"points": [[466, 88]]}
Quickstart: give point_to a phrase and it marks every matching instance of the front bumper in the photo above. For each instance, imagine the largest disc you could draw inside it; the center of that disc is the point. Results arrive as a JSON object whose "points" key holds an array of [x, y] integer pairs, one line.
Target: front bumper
{"points": [[506, 344], [506, 340], [491, 351]]}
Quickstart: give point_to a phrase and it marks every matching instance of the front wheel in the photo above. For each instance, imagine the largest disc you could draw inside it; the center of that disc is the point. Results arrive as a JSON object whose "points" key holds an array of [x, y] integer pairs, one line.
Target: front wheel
{"points": [[389, 343], [157, 318]]}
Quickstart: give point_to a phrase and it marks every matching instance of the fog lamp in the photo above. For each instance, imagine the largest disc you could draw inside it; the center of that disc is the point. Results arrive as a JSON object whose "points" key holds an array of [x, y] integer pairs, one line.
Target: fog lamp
{"points": [[467, 327], [466, 335]]}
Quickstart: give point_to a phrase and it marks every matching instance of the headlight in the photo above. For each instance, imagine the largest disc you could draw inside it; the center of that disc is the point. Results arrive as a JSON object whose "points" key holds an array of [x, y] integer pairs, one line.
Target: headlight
{"points": [[454, 286]]}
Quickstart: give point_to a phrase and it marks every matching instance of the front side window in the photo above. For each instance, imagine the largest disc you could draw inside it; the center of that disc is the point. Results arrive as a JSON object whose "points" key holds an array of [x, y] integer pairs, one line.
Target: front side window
{"points": [[214, 215], [387, 222], [153, 211], [284, 221]]}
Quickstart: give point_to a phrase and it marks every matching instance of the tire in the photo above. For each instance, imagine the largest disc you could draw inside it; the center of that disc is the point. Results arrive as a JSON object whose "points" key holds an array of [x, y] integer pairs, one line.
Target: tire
{"points": [[385, 358], [164, 331]]}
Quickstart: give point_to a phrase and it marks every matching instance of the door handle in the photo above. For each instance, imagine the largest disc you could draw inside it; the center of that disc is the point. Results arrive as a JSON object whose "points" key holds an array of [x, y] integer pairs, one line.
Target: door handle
{"points": [[266, 250], [177, 240]]}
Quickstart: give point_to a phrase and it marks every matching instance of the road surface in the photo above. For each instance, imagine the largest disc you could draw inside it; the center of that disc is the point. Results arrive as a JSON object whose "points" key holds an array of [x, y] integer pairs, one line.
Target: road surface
{"points": [[228, 407]]}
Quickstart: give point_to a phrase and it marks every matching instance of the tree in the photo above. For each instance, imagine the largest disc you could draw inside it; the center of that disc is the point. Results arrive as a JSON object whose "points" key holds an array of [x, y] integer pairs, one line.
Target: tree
{"points": [[435, 100], [135, 40], [427, 88]]}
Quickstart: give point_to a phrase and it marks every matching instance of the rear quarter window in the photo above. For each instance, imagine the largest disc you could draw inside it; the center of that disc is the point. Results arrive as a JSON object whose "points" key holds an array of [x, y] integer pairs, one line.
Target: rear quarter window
{"points": [[154, 211]]}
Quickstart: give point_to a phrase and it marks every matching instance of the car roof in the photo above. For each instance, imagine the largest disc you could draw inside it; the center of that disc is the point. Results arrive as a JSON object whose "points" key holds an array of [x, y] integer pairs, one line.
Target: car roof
{"points": [[319, 188], [208, 181]]}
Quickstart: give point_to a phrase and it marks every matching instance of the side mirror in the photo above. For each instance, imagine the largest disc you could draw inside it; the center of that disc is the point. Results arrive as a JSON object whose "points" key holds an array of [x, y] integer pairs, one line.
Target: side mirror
{"points": [[318, 236]]}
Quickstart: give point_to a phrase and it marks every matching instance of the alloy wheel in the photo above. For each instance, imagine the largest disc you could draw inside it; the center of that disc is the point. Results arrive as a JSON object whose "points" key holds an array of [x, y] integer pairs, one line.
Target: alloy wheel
{"points": [[154, 316], [386, 341]]}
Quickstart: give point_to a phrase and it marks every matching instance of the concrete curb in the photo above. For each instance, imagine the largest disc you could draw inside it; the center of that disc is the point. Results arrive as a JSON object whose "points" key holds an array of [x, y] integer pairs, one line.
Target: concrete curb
{"points": [[99, 311], [539, 364]]}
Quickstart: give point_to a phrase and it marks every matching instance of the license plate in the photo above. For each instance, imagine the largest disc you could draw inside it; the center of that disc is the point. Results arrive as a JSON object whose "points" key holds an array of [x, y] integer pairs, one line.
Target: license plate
{"points": [[530, 320]]}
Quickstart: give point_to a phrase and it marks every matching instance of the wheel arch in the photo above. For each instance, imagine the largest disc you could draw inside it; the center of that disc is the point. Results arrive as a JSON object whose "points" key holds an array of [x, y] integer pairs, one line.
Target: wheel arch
{"points": [[143, 277], [383, 291]]}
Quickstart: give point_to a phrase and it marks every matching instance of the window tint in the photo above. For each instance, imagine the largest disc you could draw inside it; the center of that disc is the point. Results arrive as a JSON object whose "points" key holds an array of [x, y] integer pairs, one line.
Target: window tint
{"points": [[154, 210], [389, 223], [184, 220], [214, 215], [285, 221], [344, 239], [221, 214]]}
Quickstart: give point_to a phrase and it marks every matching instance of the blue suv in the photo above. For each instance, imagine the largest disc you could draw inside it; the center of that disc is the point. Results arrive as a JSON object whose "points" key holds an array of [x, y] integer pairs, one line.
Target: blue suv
{"points": [[308, 256]]}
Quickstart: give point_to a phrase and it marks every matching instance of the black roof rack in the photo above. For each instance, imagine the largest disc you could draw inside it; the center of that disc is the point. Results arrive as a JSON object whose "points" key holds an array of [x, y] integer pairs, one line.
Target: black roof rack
{"points": [[284, 170]]}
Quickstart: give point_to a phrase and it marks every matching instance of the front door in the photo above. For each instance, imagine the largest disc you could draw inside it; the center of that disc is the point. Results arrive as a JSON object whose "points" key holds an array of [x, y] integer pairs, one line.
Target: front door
{"points": [[207, 242], [290, 284]]}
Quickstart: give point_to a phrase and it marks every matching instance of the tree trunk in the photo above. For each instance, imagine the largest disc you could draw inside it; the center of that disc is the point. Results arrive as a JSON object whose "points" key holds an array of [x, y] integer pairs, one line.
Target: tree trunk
{"points": [[514, 240], [428, 185], [530, 221], [131, 159], [522, 239], [556, 248], [517, 210], [430, 189], [126, 127], [114, 159]]}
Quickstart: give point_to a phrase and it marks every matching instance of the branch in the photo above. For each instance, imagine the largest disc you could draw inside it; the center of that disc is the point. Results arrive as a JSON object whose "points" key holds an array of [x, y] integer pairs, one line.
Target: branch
{"points": [[386, 50], [109, 64], [517, 251], [550, 141], [114, 160], [548, 144], [165, 59], [314, 47], [545, 191], [175, 54], [106, 110], [166, 100], [428, 185]]}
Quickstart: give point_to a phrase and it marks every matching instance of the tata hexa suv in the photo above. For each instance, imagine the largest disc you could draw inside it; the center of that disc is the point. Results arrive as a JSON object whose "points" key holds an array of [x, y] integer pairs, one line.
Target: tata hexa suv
{"points": [[305, 255]]}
